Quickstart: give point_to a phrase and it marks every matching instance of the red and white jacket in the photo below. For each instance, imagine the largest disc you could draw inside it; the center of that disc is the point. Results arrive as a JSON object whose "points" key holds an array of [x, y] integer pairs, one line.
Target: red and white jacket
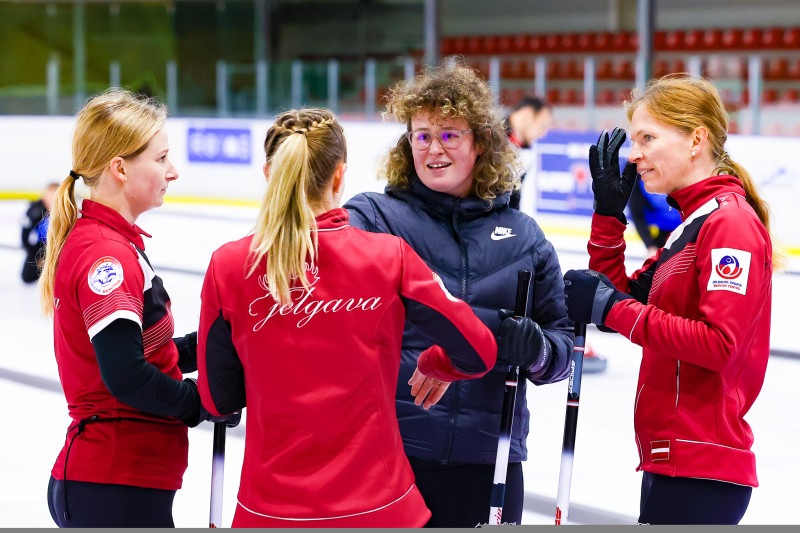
{"points": [[102, 277], [318, 375], [702, 316]]}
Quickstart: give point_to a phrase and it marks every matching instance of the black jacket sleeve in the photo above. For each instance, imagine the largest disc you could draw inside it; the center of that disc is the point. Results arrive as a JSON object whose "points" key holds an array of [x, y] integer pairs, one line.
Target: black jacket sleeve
{"points": [[187, 352], [137, 383], [550, 312]]}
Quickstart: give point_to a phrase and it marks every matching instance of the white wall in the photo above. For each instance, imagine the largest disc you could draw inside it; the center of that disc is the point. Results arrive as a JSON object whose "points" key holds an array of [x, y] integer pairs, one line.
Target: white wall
{"points": [[36, 150]]}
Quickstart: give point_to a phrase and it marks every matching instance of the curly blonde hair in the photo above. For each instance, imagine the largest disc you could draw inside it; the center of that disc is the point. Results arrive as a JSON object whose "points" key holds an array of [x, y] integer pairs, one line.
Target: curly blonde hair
{"points": [[452, 92]]}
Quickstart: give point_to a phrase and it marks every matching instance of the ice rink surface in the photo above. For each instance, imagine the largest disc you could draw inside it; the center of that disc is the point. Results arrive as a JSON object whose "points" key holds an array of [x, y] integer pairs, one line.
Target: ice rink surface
{"points": [[605, 486]]}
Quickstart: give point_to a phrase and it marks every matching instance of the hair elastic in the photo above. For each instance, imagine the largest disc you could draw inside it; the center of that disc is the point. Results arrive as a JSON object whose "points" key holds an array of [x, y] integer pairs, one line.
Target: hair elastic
{"points": [[74, 175]]}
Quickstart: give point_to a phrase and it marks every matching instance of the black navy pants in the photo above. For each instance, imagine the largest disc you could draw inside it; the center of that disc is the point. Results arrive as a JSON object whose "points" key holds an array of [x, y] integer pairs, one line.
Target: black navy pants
{"points": [[107, 505], [458, 495], [683, 500]]}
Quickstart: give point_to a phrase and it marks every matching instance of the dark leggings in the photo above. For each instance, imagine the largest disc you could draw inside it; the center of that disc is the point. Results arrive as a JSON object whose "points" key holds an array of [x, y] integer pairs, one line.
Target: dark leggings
{"points": [[683, 500], [107, 505], [459, 495]]}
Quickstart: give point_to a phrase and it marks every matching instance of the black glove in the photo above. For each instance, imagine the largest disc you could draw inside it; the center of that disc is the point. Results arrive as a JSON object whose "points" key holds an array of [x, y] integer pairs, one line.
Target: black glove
{"points": [[520, 342], [201, 413], [590, 296], [232, 420], [611, 190]]}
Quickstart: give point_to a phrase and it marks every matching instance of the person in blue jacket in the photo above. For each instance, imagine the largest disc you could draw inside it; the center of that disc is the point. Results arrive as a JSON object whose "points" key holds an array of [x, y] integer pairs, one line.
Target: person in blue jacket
{"points": [[450, 177]]}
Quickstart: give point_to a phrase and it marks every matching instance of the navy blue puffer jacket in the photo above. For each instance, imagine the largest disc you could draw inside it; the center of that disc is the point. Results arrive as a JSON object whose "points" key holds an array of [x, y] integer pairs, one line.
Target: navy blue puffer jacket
{"points": [[476, 247]]}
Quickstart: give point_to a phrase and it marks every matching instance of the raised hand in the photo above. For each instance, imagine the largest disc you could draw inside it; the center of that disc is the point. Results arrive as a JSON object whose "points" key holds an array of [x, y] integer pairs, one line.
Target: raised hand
{"points": [[611, 189]]}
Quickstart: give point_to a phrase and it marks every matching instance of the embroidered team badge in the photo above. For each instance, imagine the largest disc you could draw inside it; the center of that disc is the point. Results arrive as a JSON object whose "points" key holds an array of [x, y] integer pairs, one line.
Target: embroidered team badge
{"points": [[730, 270], [105, 275], [441, 284]]}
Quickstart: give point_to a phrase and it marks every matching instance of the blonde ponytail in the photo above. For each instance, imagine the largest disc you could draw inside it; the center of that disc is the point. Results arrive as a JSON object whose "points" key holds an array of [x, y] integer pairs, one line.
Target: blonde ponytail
{"points": [[63, 214], [114, 123], [304, 148], [285, 222]]}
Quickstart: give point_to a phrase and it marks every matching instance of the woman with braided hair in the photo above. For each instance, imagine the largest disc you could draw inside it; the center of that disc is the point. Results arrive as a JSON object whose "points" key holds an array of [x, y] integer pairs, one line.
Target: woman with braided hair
{"points": [[301, 322], [700, 309]]}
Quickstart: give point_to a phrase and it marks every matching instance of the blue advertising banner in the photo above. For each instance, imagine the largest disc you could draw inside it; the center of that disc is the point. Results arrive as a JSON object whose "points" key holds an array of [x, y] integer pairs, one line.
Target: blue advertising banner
{"points": [[219, 145], [563, 181]]}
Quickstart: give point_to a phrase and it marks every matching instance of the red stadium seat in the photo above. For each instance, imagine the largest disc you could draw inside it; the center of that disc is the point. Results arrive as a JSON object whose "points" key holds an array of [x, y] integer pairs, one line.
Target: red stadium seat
{"points": [[660, 40], [678, 66], [606, 97], [752, 38], [793, 72], [791, 38], [552, 42], [769, 96], [776, 68], [732, 39], [474, 45], [520, 44], [772, 38], [624, 94], [585, 41], [623, 70], [660, 68], [605, 70], [572, 97], [555, 70], [535, 44], [459, 46], [675, 40], [791, 96], [693, 40], [745, 97], [553, 96], [569, 42], [573, 70], [712, 39], [447, 46], [505, 44], [733, 127], [508, 70], [602, 42]]}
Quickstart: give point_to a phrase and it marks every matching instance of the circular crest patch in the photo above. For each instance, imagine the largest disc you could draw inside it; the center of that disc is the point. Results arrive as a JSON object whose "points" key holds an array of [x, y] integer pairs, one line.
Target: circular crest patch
{"points": [[105, 275]]}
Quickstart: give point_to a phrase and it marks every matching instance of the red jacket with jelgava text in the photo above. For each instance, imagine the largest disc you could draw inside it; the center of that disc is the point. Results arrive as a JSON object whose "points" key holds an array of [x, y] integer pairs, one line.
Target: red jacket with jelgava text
{"points": [[702, 316], [318, 375]]}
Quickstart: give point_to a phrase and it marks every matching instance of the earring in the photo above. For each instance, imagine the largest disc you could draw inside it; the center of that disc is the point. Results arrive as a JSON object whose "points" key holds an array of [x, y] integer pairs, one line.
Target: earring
{"points": [[692, 153]]}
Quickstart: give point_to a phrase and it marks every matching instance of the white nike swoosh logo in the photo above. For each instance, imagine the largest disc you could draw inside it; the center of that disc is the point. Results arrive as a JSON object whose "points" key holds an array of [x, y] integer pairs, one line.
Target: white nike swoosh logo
{"points": [[501, 237]]}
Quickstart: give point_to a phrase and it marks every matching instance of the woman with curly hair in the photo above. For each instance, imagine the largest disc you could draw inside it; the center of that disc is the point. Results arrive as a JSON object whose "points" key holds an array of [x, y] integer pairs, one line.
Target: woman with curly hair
{"points": [[450, 177]]}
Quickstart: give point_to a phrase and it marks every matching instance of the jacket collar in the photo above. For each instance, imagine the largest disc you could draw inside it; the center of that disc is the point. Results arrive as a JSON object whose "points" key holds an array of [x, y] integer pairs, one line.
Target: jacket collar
{"points": [[115, 221], [333, 219], [689, 199], [444, 205]]}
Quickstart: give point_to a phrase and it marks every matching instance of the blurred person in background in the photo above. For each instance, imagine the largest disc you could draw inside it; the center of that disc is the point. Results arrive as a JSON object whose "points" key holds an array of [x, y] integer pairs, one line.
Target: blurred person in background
{"points": [[700, 308], [126, 448], [34, 233], [450, 177], [528, 121], [301, 322], [653, 218]]}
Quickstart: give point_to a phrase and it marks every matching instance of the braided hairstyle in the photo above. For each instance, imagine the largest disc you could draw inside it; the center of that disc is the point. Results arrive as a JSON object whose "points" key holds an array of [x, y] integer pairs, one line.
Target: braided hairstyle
{"points": [[304, 148]]}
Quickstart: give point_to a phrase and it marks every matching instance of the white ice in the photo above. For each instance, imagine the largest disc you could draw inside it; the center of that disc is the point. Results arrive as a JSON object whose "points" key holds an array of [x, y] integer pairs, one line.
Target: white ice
{"points": [[605, 486]]}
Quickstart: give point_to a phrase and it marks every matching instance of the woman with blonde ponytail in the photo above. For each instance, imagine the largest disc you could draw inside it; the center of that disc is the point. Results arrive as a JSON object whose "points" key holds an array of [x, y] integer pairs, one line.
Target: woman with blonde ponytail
{"points": [[301, 322], [126, 446], [700, 309]]}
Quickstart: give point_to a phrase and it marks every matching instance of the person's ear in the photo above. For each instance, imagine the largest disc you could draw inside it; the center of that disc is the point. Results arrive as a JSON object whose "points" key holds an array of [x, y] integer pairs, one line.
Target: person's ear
{"points": [[338, 178], [699, 139], [266, 170], [117, 169]]}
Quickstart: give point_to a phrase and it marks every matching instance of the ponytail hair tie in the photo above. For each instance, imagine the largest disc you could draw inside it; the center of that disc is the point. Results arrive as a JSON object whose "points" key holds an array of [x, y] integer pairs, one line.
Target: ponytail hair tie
{"points": [[74, 175], [300, 131]]}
